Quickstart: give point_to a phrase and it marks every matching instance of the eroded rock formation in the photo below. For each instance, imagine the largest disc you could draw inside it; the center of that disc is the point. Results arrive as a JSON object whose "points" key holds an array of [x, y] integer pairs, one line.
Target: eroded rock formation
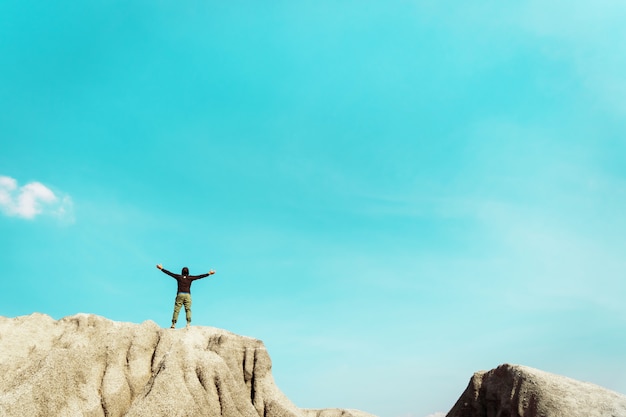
{"points": [[86, 365], [520, 391]]}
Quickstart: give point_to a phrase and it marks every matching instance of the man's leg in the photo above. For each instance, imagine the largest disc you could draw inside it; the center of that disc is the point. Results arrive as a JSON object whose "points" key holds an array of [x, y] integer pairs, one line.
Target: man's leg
{"points": [[178, 303], [187, 303]]}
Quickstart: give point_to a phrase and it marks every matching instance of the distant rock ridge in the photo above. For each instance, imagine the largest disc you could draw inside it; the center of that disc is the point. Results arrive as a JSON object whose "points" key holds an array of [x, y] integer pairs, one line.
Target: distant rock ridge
{"points": [[87, 365], [520, 391]]}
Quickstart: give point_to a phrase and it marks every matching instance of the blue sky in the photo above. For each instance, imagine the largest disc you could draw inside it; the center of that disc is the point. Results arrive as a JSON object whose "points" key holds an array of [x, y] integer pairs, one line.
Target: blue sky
{"points": [[393, 194]]}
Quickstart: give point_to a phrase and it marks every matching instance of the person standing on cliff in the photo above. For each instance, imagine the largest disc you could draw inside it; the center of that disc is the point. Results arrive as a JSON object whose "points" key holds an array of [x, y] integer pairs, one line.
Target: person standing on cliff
{"points": [[183, 296]]}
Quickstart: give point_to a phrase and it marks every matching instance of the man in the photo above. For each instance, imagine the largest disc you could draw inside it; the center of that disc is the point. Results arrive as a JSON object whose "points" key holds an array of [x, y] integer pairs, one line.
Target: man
{"points": [[183, 296]]}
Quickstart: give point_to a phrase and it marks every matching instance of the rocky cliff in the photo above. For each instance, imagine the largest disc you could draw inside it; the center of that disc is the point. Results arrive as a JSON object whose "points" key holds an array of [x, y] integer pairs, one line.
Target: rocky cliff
{"points": [[86, 365], [520, 391]]}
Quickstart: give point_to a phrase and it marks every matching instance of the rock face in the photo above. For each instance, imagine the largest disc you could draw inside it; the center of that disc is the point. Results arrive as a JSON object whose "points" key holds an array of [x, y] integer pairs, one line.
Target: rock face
{"points": [[86, 365], [520, 391]]}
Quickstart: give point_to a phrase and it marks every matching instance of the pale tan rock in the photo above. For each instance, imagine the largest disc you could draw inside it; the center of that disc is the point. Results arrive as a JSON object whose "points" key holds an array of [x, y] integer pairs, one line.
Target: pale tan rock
{"points": [[335, 412], [520, 391], [86, 365]]}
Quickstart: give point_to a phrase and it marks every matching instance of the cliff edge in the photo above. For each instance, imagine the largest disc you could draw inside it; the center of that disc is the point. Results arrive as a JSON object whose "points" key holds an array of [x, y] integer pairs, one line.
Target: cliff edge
{"points": [[87, 365]]}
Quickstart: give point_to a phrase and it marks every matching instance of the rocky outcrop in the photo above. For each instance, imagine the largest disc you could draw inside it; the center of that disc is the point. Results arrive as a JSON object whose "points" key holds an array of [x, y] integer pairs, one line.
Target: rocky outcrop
{"points": [[86, 365], [520, 391]]}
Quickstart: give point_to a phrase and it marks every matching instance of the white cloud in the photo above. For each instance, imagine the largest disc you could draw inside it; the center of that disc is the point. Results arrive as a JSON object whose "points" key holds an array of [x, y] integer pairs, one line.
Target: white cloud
{"points": [[6, 186], [32, 199]]}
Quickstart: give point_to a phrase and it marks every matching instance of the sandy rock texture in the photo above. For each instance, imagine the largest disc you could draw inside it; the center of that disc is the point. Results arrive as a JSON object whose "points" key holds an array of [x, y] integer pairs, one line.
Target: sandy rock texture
{"points": [[520, 391], [87, 365]]}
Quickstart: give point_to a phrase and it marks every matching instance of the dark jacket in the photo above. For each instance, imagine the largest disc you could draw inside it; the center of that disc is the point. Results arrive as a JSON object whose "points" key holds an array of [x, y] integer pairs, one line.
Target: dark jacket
{"points": [[184, 281]]}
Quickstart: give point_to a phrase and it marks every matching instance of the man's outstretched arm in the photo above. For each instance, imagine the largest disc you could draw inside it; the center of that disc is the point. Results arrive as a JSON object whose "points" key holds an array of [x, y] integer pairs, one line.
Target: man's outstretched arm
{"points": [[171, 274], [211, 272]]}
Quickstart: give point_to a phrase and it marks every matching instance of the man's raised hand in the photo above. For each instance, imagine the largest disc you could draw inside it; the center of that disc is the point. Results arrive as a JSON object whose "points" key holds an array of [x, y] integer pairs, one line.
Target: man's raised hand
{"points": [[160, 266], [211, 272]]}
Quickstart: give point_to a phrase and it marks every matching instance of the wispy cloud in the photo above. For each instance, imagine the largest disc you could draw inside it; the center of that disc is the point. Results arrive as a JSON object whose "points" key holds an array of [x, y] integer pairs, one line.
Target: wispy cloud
{"points": [[32, 200], [583, 36], [586, 34]]}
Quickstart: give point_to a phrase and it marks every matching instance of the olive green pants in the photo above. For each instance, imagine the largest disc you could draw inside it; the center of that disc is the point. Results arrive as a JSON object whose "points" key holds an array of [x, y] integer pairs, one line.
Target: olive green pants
{"points": [[182, 299]]}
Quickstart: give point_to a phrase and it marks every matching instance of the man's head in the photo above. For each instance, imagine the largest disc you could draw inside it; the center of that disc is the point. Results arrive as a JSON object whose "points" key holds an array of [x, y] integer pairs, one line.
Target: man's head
{"points": [[185, 271]]}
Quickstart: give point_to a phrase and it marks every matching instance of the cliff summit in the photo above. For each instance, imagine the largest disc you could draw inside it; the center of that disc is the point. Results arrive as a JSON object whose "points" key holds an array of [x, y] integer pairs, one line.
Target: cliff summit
{"points": [[87, 365]]}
